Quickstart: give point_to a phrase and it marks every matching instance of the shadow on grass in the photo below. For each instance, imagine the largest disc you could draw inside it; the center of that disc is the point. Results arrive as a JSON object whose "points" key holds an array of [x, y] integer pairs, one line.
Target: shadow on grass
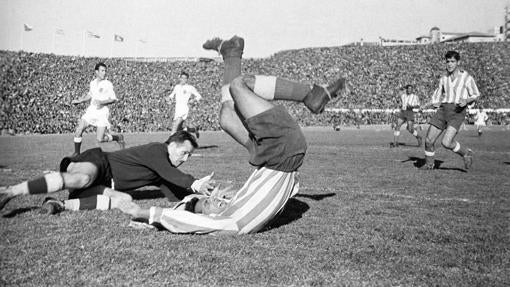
{"points": [[293, 211], [17, 211], [420, 162], [207, 146], [507, 162], [403, 144], [316, 196]]}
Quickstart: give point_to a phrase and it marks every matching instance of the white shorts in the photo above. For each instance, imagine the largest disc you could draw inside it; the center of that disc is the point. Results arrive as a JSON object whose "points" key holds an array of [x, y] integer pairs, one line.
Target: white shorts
{"points": [[261, 199], [97, 117], [181, 113], [481, 124]]}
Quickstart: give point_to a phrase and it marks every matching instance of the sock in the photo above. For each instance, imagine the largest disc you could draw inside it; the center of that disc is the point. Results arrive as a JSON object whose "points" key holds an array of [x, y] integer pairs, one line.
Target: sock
{"points": [[50, 182], [429, 157], [290, 90], [108, 137], [99, 202], [77, 144], [232, 69], [459, 150]]}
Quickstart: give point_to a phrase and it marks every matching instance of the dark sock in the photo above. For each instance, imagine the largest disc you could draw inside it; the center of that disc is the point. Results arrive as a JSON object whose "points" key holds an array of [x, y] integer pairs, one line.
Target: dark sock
{"points": [[290, 90], [232, 69], [50, 182], [77, 147]]}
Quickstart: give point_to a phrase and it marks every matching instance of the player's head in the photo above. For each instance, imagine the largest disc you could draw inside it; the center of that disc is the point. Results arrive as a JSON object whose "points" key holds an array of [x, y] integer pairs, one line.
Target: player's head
{"points": [[180, 147], [210, 205], [452, 59], [409, 89], [100, 70], [183, 77]]}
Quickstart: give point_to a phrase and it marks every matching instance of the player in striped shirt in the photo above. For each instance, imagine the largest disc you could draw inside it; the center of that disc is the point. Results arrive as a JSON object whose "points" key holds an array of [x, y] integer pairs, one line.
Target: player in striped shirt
{"points": [[410, 102], [456, 90], [273, 139]]}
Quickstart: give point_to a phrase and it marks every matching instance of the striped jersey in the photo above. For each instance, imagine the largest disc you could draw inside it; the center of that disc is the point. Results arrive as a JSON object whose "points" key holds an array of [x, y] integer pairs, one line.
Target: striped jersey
{"points": [[409, 101], [262, 197], [452, 91]]}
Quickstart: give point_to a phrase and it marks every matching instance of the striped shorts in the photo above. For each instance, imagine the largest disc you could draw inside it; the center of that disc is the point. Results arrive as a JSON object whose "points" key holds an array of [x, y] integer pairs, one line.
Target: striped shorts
{"points": [[262, 197]]}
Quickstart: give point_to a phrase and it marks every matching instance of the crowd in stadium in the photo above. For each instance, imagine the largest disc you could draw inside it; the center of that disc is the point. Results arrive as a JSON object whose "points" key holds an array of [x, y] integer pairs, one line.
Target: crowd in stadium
{"points": [[37, 89]]}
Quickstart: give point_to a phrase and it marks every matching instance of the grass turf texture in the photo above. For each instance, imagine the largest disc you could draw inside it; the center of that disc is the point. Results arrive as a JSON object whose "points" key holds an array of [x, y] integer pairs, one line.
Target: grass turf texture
{"points": [[365, 215]]}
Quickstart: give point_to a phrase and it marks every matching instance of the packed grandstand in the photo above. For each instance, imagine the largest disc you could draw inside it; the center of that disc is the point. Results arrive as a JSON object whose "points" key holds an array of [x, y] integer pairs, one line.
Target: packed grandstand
{"points": [[37, 89]]}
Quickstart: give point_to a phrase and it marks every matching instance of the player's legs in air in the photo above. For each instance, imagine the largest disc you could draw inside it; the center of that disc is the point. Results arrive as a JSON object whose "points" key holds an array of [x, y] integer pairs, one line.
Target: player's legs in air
{"points": [[266, 87]]}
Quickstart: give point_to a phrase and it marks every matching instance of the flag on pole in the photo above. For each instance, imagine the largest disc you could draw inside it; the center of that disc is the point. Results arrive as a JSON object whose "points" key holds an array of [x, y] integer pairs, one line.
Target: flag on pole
{"points": [[118, 38], [28, 27], [142, 41], [93, 35], [60, 32]]}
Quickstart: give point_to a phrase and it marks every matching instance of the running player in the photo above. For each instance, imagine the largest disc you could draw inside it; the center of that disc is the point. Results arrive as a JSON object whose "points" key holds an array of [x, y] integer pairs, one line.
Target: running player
{"points": [[100, 95], [410, 102], [456, 90], [480, 119], [273, 139], [95, 178], [182, 93]]}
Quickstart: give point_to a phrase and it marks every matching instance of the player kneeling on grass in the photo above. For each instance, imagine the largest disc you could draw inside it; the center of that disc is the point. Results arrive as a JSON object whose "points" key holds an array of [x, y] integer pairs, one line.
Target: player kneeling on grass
{"points": [[273, 139], [95, 178]]}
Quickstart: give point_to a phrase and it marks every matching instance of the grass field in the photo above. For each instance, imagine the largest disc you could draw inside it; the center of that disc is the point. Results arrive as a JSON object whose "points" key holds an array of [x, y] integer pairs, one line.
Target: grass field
{"points": [[365, 215]]}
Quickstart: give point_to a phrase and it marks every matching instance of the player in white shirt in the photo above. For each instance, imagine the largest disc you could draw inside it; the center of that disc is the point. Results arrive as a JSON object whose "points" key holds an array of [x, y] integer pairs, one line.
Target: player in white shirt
{"points": [[410, 103], [100, 95], [182, 93], [480, 119], [457, 89]]}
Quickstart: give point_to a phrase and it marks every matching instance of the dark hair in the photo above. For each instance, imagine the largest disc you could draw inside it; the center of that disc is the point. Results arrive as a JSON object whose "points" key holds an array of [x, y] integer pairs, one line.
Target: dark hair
{"points": [[408, 86], [100, 64], [184, 74], [452, 54], [182, 136]]}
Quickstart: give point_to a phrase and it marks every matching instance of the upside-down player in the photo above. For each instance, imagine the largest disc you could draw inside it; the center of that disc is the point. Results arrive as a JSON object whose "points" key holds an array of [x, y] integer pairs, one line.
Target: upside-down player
{"points": [[456, 90], [409, 101], [100, 95], [273, 139]]}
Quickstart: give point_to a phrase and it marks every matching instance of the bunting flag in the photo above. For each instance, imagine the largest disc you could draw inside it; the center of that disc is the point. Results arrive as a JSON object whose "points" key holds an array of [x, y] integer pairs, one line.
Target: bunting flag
{"points": [[118, 38], [28, 27], [93, 35], [142, 41], [60, 32]]}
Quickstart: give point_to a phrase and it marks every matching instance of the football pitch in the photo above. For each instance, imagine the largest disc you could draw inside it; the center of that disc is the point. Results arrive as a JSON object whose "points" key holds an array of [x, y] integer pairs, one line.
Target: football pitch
{"points": [[365, 215]]}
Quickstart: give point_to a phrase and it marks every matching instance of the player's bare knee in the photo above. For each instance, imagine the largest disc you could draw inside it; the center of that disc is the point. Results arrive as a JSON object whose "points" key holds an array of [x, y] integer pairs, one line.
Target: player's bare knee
{"points": [[77, 180], [429, 143], [225, 117], [249, 81], [236, 86], [447, 143]]}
